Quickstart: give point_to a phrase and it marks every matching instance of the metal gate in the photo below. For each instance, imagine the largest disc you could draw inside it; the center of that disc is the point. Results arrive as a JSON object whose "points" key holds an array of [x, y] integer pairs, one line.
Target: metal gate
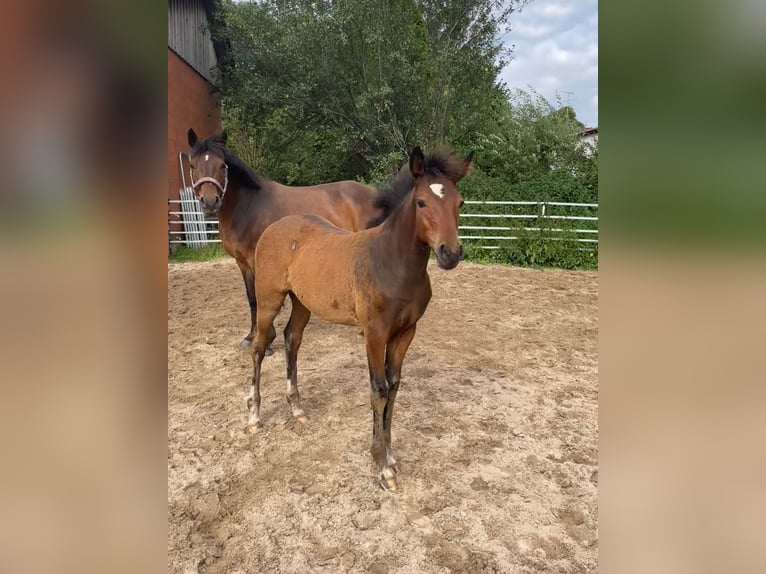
{"points": [[195, 231]]}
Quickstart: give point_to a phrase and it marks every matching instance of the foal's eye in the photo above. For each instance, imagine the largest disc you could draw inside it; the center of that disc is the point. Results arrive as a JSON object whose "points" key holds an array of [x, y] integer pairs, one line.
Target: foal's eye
{"points": [[421, 203]]}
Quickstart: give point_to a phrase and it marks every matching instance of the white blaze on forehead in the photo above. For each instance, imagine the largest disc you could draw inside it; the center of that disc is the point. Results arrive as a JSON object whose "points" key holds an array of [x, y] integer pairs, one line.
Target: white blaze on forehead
{"points": [[207, 156], [438, 190]]}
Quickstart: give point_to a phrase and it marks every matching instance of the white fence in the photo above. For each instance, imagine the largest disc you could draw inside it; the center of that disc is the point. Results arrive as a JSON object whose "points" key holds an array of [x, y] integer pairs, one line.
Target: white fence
{"points": [[488, 228]]}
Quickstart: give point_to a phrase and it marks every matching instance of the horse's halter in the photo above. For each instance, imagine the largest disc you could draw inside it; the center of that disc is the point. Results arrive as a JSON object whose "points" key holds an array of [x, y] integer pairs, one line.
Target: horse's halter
{"points": [[214, 181]]}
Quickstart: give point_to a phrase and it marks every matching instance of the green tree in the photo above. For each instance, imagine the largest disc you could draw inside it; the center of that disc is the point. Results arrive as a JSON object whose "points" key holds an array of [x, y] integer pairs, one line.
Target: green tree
{"points": [[354, 84]]}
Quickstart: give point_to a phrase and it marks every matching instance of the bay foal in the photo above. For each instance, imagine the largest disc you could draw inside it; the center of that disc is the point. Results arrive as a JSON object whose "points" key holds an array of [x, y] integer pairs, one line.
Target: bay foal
{"points": [[376, 278]]}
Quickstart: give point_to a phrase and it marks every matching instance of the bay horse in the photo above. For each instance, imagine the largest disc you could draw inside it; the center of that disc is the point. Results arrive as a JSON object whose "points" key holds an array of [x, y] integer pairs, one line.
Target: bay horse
{"points": [[376, 279], [247, 203]]}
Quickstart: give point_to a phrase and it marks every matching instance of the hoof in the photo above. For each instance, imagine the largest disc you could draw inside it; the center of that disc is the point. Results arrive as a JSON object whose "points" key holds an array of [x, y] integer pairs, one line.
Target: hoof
{"points": [[388, 483], [254, 424], [302, 419], [268, 352]]}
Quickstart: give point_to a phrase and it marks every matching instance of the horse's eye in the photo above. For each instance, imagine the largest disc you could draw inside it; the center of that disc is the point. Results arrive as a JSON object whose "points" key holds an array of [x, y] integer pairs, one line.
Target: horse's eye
{"points": [[421, 203]]}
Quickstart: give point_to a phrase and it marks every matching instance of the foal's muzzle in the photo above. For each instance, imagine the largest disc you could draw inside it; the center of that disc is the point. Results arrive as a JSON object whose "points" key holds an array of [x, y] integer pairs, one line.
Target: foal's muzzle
{"points": [[447, 259]]}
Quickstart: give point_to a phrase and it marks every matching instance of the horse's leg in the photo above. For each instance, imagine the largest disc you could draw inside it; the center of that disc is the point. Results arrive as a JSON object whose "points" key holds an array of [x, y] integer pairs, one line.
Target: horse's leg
{"points": [[299, 318], [249, 278], [395, 351], [269, 310], [376, 354]]}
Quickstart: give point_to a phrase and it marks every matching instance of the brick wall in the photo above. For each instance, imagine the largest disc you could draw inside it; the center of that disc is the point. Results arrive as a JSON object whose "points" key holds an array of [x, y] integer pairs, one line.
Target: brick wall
{"points": [[190, 105]]}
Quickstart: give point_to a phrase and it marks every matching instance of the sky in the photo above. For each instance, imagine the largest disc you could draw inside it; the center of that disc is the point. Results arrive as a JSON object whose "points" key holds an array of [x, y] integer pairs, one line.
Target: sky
{"points": [[555, 51]]}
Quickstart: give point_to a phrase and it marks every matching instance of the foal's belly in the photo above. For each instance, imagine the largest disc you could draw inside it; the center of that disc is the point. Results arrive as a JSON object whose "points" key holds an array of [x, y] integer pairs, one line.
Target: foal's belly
{"points": [[327, 305]]}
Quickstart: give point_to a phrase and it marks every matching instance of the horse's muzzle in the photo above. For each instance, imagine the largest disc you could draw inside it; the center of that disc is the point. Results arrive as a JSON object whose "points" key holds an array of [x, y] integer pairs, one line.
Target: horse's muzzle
{"points": [[210, 205], [447, 259]]}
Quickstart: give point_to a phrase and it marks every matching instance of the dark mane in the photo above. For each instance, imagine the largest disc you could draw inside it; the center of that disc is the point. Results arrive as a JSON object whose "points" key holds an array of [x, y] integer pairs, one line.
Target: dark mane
{"points": [[238, 169], [443, 161]]}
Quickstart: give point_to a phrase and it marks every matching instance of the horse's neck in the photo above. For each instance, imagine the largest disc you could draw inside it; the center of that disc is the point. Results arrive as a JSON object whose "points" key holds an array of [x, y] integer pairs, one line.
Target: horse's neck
{"points": [[400, 242], [229, 204], [237, 207], [238, 194]]}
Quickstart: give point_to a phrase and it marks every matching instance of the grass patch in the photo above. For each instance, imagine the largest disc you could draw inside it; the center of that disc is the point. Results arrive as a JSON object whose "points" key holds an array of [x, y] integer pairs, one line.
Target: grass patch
{"points": [[205, 253]]}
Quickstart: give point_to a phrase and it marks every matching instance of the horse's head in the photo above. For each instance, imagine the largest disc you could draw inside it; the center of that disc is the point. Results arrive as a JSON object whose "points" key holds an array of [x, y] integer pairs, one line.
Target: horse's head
{"points": [[209, 172], [438, 203]]}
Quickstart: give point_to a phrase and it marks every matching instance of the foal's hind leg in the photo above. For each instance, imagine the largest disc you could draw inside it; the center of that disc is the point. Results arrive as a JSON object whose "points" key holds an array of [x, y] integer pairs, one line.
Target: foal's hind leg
{"points": [[299, 318], [269, 308], [395, 351]]}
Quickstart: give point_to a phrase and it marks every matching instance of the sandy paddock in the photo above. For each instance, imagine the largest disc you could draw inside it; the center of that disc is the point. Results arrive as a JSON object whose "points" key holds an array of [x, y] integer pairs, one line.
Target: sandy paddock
{"points": [[495, 429]]}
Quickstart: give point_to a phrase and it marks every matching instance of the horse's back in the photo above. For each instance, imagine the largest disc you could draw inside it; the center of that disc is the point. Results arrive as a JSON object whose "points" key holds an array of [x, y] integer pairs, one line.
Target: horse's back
{"points": [[313, 258], [298, 226], [347, 204]]}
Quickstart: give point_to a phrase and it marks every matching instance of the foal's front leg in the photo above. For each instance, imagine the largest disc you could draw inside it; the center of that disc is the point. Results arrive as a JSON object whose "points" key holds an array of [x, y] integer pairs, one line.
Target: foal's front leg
{"points": [[395, 351], [376, 352]]}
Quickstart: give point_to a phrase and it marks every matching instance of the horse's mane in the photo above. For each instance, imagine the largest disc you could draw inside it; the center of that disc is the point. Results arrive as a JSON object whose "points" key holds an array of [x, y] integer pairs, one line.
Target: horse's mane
{"points": [[238, 169], [443, 161]]}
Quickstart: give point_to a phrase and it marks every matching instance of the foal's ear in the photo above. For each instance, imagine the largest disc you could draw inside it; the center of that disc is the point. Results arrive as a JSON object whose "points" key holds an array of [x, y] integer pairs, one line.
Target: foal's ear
{"points": [[467, 166], [224, 136], [192, 137], [417, 163]]}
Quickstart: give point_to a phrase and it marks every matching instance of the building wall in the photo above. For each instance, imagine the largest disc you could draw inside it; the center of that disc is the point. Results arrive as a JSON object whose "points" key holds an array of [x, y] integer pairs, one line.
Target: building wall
{"points": [[590, 143], [190, 105], [189, 37]]}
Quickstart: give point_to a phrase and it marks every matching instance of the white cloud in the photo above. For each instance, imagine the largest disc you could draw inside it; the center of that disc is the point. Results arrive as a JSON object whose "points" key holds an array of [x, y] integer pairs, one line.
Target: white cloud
{"points": [[557, 56], [526, 31], [555, 11], [550, 81]]}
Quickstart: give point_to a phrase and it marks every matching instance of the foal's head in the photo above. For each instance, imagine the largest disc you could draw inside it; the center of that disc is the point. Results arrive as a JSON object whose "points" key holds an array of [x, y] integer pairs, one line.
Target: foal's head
{"points": [[209, 172], [438, 203]]}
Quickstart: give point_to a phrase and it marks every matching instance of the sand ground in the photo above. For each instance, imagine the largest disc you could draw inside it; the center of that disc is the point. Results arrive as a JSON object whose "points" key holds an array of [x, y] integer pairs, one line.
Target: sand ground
{"points": [[495, 429]]}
